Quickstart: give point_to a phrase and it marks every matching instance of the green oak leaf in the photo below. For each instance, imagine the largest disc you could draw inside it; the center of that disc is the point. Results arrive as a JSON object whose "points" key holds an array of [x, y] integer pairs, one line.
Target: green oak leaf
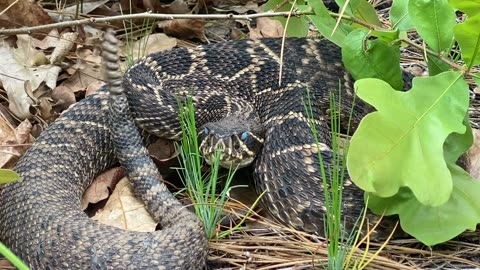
{"points": [[468, 36], [399, 15], [360, 9], [297, 26], [469, 7], [436, 66], [401, 144], [326, 23], [434, 21], [7, 176], [365, 58], [433, 225]]}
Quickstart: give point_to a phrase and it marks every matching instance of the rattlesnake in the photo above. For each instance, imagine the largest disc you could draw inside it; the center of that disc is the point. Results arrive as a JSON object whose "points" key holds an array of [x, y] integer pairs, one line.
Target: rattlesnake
{"points": [[41, 219]]}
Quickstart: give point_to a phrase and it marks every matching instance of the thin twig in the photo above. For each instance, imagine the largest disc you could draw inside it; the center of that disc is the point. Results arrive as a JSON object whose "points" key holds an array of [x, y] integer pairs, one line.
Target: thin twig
{"points": [[249, 17], [433, 53]]}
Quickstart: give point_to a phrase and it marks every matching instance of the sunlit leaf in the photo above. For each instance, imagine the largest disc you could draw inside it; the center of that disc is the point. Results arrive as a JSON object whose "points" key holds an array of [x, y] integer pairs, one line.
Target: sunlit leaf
{"points": [[401, 144]]}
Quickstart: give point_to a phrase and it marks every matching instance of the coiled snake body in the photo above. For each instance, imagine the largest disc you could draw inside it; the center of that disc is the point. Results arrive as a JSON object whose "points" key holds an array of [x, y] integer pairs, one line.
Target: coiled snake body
{"points": [[41, 219]]}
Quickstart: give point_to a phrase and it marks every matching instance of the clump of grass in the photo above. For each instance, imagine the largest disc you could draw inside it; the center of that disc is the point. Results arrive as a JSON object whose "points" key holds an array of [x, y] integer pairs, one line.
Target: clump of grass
{"points": [[341, 244], [340, 241], [201, 188]]}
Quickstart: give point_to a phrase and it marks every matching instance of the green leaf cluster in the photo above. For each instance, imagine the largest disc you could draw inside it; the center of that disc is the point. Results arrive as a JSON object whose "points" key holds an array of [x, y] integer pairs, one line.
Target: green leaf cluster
{"points": [[404, 154]]}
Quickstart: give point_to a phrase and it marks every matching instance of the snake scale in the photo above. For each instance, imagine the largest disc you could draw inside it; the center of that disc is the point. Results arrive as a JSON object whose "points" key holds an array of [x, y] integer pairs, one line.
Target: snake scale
{"points": [[41, 219]]}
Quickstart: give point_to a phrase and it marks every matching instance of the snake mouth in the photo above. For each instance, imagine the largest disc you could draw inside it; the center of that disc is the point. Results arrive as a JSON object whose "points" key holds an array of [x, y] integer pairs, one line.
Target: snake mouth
{"points": [[228, 162]]}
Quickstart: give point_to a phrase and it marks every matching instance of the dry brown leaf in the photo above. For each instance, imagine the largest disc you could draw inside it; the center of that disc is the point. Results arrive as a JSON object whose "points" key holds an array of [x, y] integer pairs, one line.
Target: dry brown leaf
{"points": [[123, 210], [150, 44], [102, 186], [183, 28], [22, 13], [87, 8], [15, 143], [240, 7], [266, 27], [63, 98], [175, 7], [49, 41], [93, 88], [64, 45], [83, 76], [6, 128], [19, 72], [88, 56]]}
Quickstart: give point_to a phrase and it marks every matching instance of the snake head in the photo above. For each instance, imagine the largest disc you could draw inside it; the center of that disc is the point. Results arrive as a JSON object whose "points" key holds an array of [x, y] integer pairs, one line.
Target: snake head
{"points": [[237, 140]]}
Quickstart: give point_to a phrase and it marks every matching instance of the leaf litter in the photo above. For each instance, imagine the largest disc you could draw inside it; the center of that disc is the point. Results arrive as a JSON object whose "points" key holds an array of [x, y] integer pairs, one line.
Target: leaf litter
{"points": [[50, 82]]}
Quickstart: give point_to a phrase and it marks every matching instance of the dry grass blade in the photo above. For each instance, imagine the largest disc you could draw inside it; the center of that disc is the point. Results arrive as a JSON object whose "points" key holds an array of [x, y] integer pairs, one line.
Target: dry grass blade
{"points": [[265, 244]]}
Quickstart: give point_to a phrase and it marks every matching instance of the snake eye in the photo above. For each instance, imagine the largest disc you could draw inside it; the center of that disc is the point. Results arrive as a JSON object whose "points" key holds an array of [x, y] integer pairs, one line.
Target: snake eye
{"points": [[244, 136], [206, 131]]}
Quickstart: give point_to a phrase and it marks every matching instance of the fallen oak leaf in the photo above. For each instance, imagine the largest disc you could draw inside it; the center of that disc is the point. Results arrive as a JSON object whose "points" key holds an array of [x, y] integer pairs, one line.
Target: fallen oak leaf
{"points": [[124, 210], [15, 144], [102, 186]]}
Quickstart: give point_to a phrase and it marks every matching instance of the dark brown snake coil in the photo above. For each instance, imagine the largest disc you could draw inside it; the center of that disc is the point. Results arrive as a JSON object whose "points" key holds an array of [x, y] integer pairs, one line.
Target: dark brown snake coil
{"points": [[41, 219]]}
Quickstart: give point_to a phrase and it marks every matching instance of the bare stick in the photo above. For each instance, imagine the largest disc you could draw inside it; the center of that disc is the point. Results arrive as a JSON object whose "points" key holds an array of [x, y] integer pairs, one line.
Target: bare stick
{"points": [[249, 17]]}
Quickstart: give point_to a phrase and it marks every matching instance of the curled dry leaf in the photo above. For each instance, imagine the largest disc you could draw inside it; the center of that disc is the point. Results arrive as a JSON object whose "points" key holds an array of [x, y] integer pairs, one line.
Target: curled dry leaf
{"points": [[266, 27], [14, 142], [102, 186], [124, 210], [63, 47]]}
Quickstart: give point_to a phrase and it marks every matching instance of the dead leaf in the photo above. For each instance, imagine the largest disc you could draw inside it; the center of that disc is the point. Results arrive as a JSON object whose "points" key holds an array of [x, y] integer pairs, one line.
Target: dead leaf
{"points": [[162, 150], [18, 70], [93, 88], [22, 13], [88, 56], [123, 210], [266, 27], [150, 44], [49, 41], [183, 28], [175, 7], [63, 98], [237, 6], [83, 76], [15, 143], [102, 186]]}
